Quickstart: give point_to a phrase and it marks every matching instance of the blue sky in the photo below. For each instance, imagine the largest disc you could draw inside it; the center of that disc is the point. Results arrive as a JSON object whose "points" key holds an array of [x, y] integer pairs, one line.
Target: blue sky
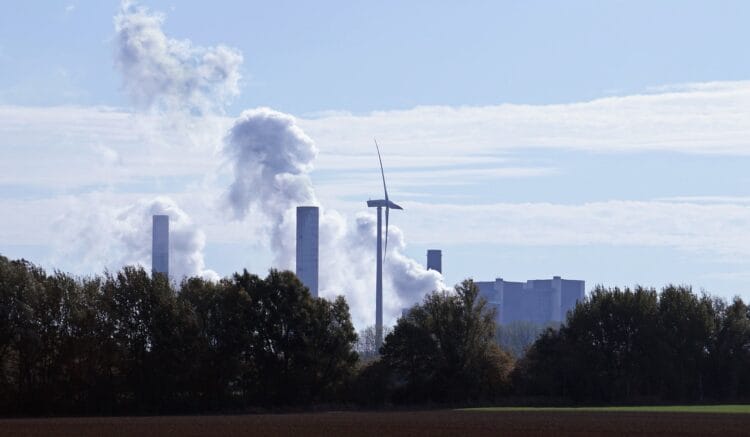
{"points": [[304, 57], [604, 141]]}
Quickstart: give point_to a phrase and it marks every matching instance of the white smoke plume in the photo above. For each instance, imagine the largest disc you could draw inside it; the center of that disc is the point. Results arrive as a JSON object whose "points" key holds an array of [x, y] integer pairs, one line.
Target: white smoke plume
{"points": [[271, 158], [171, 74], [185, 86], [347, 266], [113, 237]]}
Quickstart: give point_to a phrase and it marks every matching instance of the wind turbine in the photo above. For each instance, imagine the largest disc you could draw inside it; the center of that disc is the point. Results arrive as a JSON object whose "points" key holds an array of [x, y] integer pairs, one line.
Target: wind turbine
{"points": [[388, 205]]}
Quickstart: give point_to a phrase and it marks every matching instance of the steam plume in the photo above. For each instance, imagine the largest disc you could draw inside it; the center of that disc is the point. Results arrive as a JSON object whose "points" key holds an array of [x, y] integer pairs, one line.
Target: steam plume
{"points": [[113, 237], [271, 158], [171, 74]]}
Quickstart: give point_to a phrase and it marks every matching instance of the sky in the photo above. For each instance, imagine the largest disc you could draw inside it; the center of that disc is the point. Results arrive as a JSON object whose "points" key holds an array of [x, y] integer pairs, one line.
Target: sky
{"points": [[603, 141]]}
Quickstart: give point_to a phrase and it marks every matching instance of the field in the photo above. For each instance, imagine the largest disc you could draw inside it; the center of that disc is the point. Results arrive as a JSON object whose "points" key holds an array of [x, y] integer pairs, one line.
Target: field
{"points": [[738, 409], [637, 421]]}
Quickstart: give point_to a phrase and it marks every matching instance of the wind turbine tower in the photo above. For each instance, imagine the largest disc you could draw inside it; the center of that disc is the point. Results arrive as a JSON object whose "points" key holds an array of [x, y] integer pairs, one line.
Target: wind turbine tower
{"points": [[388, 205]]}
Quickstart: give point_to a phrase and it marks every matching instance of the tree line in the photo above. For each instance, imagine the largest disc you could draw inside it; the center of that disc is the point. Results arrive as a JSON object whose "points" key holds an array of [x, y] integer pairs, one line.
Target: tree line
{"points": [[637, 345], [129, 342]]}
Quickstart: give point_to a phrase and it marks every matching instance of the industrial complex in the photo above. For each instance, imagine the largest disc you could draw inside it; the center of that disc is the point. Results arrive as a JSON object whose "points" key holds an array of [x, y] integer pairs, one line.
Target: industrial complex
{"points": [[539, 301]]}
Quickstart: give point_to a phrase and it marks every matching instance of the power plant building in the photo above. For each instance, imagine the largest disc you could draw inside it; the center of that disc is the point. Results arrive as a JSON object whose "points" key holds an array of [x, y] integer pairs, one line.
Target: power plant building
{"points": [[540, 301], [307, 247], [160, 245]]}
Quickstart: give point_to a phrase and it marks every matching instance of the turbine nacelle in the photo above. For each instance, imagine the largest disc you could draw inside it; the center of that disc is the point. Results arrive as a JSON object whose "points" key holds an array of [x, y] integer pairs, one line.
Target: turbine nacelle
{"points": [[383, 204]]}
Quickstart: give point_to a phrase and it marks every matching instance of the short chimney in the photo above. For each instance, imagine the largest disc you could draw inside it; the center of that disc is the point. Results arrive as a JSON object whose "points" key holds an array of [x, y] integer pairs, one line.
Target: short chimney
{"points": [[435, 260], [160, 245]]}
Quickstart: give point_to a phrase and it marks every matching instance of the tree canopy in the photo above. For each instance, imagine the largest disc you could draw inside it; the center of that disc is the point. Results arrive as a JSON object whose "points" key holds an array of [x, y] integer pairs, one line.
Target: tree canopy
{"points": [[640, 345], [444, 349], [130, 342]]}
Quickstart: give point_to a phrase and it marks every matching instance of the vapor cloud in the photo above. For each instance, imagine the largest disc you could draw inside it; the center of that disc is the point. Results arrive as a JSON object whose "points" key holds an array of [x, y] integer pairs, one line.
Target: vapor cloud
{"points": [[271, 158], [347, 266], [110, 237], [171, 74]]}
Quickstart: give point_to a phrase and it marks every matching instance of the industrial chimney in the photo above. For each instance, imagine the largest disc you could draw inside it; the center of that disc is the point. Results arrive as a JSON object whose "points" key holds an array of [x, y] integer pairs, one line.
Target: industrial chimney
{"points": [[435, 260], [160, 245], [307, 247]]}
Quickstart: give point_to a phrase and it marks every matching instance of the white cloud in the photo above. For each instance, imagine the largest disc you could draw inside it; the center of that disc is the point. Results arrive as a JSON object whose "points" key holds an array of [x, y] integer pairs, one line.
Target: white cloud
{"points": [[708, 118], [718, 229], [73, 147], [700, 118], [171, 74]]}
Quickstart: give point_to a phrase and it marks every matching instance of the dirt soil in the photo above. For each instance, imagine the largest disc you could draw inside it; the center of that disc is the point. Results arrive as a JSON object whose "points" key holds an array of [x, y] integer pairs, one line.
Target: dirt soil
{"points": [[419, 423]]}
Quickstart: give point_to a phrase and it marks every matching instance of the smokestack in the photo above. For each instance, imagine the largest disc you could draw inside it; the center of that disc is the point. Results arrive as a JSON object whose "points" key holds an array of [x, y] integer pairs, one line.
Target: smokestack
{"points": [[435, 260], [307, 247], [160, 245]]}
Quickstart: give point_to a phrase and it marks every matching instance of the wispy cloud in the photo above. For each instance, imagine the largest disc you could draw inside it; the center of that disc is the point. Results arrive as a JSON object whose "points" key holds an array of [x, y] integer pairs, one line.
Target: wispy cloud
{"points": [[699, 118], [718, 229], [696, 118]]}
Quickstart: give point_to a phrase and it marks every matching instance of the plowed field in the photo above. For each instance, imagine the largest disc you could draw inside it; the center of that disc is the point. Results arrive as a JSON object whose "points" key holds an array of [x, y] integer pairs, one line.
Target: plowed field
{"points": [[421, 423]]}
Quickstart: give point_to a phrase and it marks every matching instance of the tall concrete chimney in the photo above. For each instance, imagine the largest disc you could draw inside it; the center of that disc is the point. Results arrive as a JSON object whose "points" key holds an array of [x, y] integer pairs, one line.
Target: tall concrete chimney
{"points": [[307, 247], [435, 260], [160, 245]]}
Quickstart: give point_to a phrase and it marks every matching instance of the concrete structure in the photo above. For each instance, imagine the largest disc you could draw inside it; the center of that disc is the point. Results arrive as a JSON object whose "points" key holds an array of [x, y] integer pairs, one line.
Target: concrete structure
{"points": [[160, 245], [435, 260], [540, 301], [307, 247]]}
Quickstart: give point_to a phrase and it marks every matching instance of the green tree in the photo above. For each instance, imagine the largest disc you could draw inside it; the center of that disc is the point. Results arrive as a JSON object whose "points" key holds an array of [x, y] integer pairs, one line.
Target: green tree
{"points": [[613, 339], [301, 346], [29, 330], [222, 351], [516, 337], [545, 368], [730, 353], [606, 350], [686, 324], [444, 349], [145, 328]]}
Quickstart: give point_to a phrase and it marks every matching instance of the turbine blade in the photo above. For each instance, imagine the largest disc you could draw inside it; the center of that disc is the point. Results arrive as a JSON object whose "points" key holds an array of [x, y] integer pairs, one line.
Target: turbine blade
{"points": [[382, 173]]}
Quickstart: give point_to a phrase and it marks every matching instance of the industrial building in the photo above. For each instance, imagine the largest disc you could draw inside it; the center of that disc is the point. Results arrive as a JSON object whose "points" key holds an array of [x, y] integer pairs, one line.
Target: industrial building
{"points": [[539, 301], [160, 245], [307, 247]]}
